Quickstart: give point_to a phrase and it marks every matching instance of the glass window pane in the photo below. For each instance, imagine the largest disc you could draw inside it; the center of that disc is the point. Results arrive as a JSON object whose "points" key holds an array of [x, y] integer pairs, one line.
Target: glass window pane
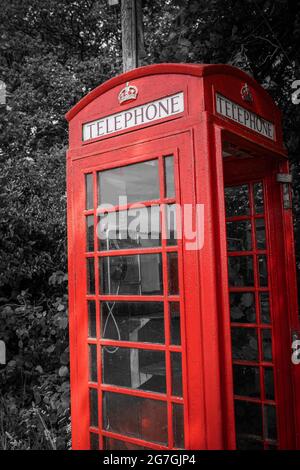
{"points": [[133, 321], [92, 319], [174, 308], [93, 363], [264, 307], [270, 422], [244, 344], [135, 416], [239, 236], [248, 419], [93, 407], [263, 271], [249, 443], [135, 228], [267, 344], [178, 426], [94, 441], [171, 224], [176, 364], [173, 282], [246, 381], [90, 276], [260, 230], [169, 177], [89, 192], [131, 275], [139, 369], [240, 271], [237, 200], [90, 233], [138, 182], [115, 444], [242, 307], [269, 383], [258, 198]]}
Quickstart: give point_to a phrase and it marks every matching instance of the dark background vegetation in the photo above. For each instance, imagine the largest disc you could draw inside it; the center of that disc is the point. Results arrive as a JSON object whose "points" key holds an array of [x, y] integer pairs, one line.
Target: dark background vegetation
{"points": [[52, 52]]}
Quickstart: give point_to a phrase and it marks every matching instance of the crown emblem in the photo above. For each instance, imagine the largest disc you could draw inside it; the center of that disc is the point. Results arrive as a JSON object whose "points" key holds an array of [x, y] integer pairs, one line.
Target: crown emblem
{"points": [[246, 93], [128, 93]]}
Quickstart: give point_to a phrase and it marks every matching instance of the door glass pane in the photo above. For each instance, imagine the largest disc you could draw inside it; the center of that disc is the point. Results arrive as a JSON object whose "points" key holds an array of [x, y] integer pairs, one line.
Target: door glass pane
{"points": [[139, 369], [258, 198], [169, 177], [237, 200], [248, 419], [90, 276], [89, 193], [267, 344], [178, 426], [135, 416], [92, 319], [131, 275], [264, 307], [90, 233], [93, 407], [176, 374], [263, 270], [260, 234], [133, 321], [270, 422], [93, 362], [242, 307], [115, 444], [239, 236], [240, 271], [94, 441], [135, 228], [174, 308], [269, 383], [138, 182], [244, 344], [246, 381], [173, 282], [171, 224]]}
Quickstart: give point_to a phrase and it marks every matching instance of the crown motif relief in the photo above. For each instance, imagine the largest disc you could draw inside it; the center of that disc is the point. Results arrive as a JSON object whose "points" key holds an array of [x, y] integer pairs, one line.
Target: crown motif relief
{"points": [[246, 93], [129, 92]]}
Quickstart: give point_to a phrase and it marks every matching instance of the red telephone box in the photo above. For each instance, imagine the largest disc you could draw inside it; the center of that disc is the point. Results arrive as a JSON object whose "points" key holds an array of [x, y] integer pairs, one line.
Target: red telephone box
{"points": [[182, 339]]}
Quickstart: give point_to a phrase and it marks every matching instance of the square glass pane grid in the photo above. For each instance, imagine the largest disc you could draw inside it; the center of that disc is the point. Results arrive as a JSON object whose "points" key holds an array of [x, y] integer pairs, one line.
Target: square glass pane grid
{"points": [[133, 309], [251, 319]]}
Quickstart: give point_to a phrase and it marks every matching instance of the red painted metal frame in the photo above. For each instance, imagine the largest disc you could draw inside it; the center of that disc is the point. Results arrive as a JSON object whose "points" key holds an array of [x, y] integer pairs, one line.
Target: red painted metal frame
{"points": [[196, 138]]}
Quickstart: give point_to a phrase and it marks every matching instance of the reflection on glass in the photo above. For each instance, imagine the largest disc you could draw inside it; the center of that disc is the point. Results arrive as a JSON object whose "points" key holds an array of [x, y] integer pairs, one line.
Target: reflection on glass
{"points": [[92, 319], [260, 230], [171, 224], [240, 271], [270, 420], [242, 307], [239, 236], [94, 441], [169, 177], [136, 417], [173, 282], [264, 307], [267, 344], [115, 444], [93, 407], [248, 420], [263, 271], [133, 321], [269, 383], [90, 233], [139, 369], [237, 200], [178, 426], [89, 193], [138, 182], [175, 323], [244, 344], [258, 198], [135, 228], [131, 275], [93, 362], [246, 381], [176, 364], [90, 276]]}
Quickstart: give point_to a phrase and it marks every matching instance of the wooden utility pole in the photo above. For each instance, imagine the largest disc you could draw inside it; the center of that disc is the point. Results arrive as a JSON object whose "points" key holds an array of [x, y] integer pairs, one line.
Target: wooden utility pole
{"points": [[132, 33]]}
